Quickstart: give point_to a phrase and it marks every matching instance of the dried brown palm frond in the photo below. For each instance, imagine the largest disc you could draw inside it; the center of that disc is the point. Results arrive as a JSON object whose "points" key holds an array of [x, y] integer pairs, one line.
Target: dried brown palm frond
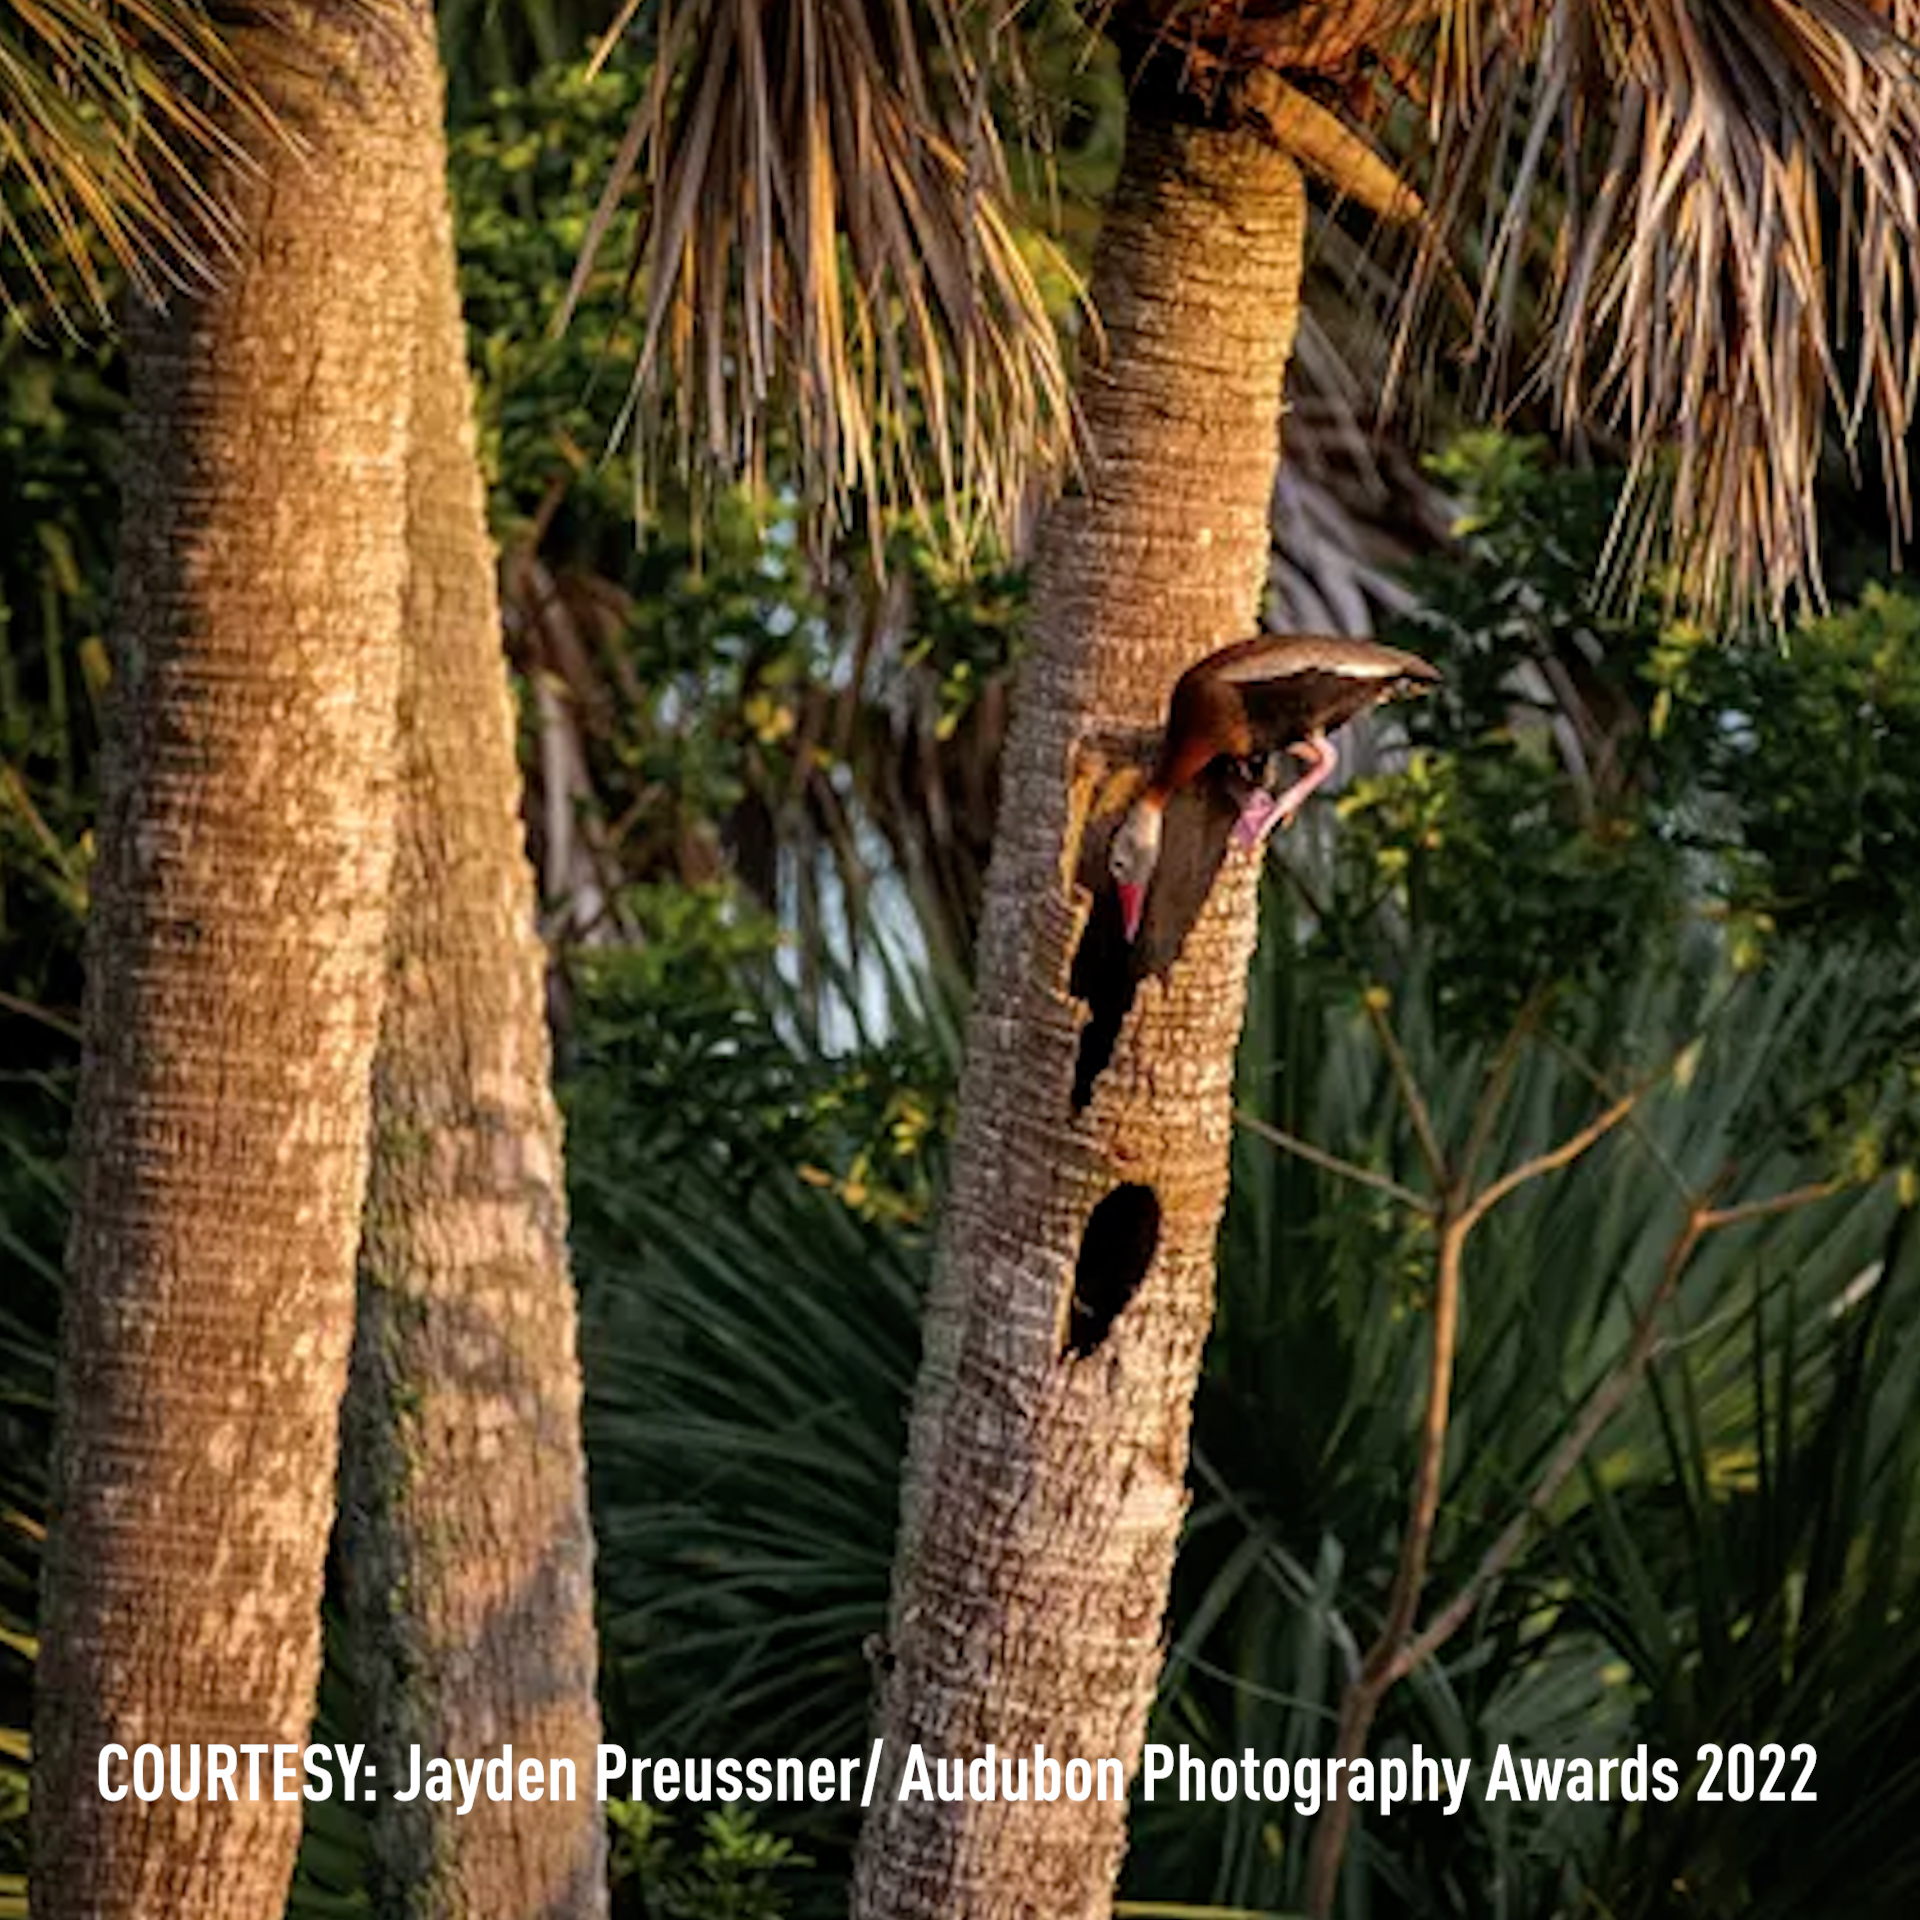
{"points": [[1703, 218], [109, 112], [1352, 505], [826, 224]]}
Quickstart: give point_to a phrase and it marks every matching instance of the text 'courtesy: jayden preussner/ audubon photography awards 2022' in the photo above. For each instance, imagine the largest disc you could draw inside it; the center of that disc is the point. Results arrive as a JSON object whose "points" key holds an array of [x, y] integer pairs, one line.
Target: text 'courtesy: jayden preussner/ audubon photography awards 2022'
{"points": [[958, 962]]}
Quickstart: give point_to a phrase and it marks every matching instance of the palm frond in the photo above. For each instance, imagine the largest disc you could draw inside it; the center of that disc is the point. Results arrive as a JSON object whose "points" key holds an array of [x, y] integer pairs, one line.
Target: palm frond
{"points": [[109, 114], [827, 226], [1724, 269]]}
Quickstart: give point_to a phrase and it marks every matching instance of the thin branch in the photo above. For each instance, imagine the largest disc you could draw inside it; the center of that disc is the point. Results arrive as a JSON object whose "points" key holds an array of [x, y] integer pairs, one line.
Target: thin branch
{"points": [[1602, 1403], [1499, 1077], [1376, 1002], [1551, 1161], [1636, 1124], [1774, 1204], [1403, 1597], [27, 1010], [1332, 1162], [24, 1524], [1159, 1910], [1392, 1655], [1361, 1699], [1382, 1667]]}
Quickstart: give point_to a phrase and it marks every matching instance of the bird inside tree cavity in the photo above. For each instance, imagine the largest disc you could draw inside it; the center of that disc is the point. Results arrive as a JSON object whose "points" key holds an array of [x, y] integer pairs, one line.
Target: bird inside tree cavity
{"points": [[1242, 713]]}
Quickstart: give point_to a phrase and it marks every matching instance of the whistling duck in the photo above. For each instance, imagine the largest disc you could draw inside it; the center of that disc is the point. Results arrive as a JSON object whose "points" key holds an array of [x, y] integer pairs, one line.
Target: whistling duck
{"points": [[1241, 708]]}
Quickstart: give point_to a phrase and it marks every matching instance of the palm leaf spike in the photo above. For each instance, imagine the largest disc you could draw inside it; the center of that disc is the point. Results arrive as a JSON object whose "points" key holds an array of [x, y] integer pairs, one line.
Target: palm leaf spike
{"points": [[869, 274], [1329, 148], [108, 116], [1696, 153]]}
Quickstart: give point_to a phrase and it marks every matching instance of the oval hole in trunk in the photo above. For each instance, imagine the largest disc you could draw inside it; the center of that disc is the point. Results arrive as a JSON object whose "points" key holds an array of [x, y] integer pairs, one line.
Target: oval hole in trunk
{"points": [[1116, 1250]]}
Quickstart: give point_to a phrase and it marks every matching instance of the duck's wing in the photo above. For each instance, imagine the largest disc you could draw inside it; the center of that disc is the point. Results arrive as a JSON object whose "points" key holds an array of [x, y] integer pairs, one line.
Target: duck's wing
{"points": [[1193, 847], [1269, 657], [1294, 685]]}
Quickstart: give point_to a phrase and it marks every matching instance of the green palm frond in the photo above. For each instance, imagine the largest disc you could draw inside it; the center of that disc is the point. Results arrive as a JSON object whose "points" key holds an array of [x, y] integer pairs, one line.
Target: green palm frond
{"points": [[826, 225], [1705, 213], [109, 114]]}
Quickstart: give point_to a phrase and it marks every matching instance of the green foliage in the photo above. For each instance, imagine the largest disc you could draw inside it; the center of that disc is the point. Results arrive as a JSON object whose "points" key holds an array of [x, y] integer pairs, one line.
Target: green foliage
{"points": [[1593, 781], [34, 1110], [1526, 538], [1304, 1435], [729, 1614], [486, 47], [1484, 844], [681, 1060], [59, 439], [526, 167], [1520, 836], [750, 1356], [748, 1362], [729, 1875], [1806, 761], [1774, 1515]]}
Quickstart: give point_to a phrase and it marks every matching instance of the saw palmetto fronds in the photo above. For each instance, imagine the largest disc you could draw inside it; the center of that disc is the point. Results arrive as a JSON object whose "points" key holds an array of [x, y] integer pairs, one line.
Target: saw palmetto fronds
{"points": [[826, 227], [109, 112], [1706, 215]]}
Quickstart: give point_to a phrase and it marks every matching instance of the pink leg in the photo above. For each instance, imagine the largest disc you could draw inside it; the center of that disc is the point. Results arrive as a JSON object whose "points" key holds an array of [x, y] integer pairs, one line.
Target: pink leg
{"points": [[1317, 751], [1258, 811], [1261, 811]]}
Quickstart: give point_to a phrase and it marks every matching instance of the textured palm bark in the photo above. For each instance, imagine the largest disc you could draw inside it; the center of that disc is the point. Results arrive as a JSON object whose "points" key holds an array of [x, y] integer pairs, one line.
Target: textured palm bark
{"points": [[469, 1555], [233, 999], [1045, 1492]]}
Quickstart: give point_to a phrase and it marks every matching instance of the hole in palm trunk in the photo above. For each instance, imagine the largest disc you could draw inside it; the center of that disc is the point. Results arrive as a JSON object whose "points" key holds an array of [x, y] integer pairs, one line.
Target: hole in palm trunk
{"points": [[1116, 1250], [1104, 977], [1107, 967]]}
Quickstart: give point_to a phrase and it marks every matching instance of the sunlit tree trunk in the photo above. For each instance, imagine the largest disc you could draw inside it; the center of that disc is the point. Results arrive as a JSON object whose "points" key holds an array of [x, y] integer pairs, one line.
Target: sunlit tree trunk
{"points": [[233, 996], [1045, 1492], [467, 1546]]}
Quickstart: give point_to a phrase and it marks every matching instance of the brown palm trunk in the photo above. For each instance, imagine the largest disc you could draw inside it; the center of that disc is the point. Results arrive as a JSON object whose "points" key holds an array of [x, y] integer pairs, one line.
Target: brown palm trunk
{"points": [[464, 1512], [1045, 1492], [233, 999]]}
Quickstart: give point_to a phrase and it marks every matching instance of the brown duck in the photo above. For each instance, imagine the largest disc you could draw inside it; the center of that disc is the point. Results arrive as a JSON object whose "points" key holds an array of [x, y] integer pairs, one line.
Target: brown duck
{"points": [[1236, 712]]}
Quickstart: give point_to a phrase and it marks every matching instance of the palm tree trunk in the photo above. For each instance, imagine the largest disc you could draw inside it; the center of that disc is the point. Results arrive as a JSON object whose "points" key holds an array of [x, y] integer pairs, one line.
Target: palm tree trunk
{"points": [[1045, 1492], [469, 1555], [233, 998]]}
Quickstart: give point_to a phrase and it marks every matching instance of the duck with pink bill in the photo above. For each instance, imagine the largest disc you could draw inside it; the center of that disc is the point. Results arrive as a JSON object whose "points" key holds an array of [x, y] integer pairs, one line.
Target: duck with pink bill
{"points": [[1237, 714]]}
